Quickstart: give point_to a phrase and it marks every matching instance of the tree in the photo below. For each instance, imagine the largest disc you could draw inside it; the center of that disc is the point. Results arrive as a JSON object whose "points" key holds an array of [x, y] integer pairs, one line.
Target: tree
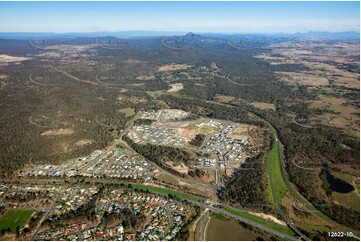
{"points": [[17, 231]]}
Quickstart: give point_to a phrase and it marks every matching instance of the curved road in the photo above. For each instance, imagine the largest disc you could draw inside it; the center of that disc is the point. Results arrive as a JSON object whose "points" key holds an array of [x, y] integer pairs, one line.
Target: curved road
{"points": [[250, 222], [244, 220], [293, 191]]}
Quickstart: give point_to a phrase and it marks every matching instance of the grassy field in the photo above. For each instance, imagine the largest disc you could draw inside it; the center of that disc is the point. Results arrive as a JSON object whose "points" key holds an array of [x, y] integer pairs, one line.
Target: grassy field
{"points": [[347, 115], [349, 200], [227, 230], [166, 192], [258, 220], [13, 218], [277, 181], [219, 216], [204, 130]]}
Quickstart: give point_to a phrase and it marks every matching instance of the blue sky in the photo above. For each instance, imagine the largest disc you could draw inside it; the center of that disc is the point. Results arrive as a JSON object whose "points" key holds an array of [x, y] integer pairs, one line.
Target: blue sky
{"points": [[220, 17]]}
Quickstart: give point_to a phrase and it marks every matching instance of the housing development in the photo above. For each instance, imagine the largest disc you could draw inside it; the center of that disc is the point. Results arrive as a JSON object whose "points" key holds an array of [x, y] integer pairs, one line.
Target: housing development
{"points": [[112, 163], [179, 121]]}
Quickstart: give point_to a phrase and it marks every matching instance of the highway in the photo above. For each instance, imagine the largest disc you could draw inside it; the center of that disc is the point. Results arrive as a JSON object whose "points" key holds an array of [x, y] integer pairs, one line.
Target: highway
{"points": [[196, 203], [290, 188], [278, 206], [293, 191], [204, 205], [244, 220], [201, 225]]}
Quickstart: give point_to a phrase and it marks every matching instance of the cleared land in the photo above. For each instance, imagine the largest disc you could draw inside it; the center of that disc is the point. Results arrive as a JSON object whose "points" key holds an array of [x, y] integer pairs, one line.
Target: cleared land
{"points": [[8, 58], [58, 132], [303, 78], [344, 114], [264, 106], [269, 217], [326, 62], [127, 111], [225, 99], [173, 67], [261, 221], [176, 87], [219, 228]]}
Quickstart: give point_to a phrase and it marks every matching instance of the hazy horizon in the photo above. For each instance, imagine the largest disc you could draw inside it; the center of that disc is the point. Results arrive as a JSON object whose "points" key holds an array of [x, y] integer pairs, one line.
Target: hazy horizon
{"points": [[179, 32], [198, 17]]}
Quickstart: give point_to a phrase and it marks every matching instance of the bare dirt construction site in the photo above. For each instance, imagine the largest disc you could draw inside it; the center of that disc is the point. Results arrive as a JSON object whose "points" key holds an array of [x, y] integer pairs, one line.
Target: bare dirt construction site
{"points": [[58, 132], [176, 87], [173, 67], [228, 143]]}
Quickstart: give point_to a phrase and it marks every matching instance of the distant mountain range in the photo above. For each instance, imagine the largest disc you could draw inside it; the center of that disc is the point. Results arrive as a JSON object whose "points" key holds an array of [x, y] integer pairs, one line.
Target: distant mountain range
{"points": [[120, 34], [149, 34]]}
